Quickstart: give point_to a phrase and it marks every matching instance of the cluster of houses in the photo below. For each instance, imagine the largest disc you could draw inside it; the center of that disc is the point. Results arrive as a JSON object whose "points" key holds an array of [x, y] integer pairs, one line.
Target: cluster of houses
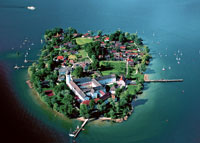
{"points": [[88, 88]]}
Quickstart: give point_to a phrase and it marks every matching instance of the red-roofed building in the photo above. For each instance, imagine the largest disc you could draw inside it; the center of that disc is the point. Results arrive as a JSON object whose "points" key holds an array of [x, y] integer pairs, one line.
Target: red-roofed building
{"points": [[86, 102], [49, 92], [134, 54], [71, 61], [102, 93], [60, 58], [56, 47], [106, 39], [113, 51], [96, 37], [96, 100], [130, 60], [122, 47]]}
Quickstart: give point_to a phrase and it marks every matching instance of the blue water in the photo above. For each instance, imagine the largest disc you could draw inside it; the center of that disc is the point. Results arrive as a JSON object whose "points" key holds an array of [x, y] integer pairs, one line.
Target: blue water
{"points": [[163, 113]]}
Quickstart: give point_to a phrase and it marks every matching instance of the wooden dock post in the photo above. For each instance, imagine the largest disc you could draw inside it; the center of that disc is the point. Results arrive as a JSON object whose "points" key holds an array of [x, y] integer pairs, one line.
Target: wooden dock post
{"points": [[79, 130], [146, 79]]}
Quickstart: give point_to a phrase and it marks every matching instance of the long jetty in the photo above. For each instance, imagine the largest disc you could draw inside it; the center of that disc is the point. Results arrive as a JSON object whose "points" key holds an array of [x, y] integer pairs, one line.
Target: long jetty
{"points": [[146, 79], [80, 129]]}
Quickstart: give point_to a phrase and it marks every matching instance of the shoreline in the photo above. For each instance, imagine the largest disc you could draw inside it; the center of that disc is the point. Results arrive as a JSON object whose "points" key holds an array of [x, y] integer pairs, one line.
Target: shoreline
{"points": [[82, 119]]}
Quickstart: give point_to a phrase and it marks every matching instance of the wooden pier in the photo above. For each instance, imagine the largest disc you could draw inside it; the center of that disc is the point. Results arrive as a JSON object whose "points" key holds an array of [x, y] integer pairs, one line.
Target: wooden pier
{"points": [[146, 79], [80, 129]]}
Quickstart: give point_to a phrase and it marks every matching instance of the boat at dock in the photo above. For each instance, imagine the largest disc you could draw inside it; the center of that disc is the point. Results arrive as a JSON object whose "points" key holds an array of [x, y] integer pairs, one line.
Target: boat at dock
{"points": [[78, 129]]}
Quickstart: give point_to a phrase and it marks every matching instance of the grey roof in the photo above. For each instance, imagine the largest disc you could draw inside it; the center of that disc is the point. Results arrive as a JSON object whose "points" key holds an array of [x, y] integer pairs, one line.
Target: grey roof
{"points": [[63, 70], [82, 80], [77, 89], [96, 82], [106, 77], [98, 88]]}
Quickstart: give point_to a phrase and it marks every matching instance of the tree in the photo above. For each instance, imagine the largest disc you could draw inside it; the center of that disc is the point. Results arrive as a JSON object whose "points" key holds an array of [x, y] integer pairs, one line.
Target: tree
{"points": [[92, 104], [78, 72], [84, 111], [121, 38], [99, 33]]}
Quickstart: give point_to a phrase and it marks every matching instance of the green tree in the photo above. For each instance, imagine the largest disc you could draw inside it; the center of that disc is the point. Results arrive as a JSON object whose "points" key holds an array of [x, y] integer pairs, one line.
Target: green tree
{"points": [[121, 38], [84, 111], [92, 104], [99, 33], [78, 72]]}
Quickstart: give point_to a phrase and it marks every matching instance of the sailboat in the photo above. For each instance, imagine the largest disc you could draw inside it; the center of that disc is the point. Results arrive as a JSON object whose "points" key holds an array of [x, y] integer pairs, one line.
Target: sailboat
{"points": [[31, 7], [70, 134]]}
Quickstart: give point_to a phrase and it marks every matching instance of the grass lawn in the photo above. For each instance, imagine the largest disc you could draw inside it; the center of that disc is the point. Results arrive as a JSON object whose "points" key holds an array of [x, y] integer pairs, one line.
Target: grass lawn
{"points": [[117, 67], [82, 53], [82, 41]]}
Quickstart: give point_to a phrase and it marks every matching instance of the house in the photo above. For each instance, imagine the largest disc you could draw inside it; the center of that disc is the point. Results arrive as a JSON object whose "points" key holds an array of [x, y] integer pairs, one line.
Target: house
{"points": [[60, 58], [56, 47], [130, 62], [44, 84], [123, 48], [121, 82], [49, 92], [112, 90], [61, 78], [106, 39]]}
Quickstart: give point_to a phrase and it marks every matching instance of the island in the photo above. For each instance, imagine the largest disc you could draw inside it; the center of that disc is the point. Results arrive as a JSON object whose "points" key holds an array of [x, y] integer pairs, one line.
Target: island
{"points": [[90, 75]]}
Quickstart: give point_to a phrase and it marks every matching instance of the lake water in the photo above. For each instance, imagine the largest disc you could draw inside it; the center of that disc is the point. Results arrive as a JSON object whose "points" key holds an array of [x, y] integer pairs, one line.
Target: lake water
{"points": [[164, 113]]}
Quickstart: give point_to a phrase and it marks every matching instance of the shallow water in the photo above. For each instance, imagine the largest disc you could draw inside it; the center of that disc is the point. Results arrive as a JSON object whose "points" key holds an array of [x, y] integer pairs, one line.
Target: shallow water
{"points": [[163, 113]]}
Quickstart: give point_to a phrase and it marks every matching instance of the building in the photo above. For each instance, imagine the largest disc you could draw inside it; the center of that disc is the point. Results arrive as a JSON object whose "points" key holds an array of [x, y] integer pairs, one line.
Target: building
{"points": [[87, 88]]}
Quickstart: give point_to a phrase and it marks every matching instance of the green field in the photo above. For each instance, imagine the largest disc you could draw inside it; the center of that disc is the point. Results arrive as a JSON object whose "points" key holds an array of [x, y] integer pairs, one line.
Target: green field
{"points": [[82, 53], [82, 41], [116, 67]]}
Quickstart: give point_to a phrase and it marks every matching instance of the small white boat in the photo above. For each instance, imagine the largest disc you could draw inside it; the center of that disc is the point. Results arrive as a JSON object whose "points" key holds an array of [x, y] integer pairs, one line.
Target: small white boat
{"points": [[178, 62], [169, 68], [153, 34], [163, 69], [71, 135], [181, 54], [32, 44], [16, 67], [31, 7]]}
